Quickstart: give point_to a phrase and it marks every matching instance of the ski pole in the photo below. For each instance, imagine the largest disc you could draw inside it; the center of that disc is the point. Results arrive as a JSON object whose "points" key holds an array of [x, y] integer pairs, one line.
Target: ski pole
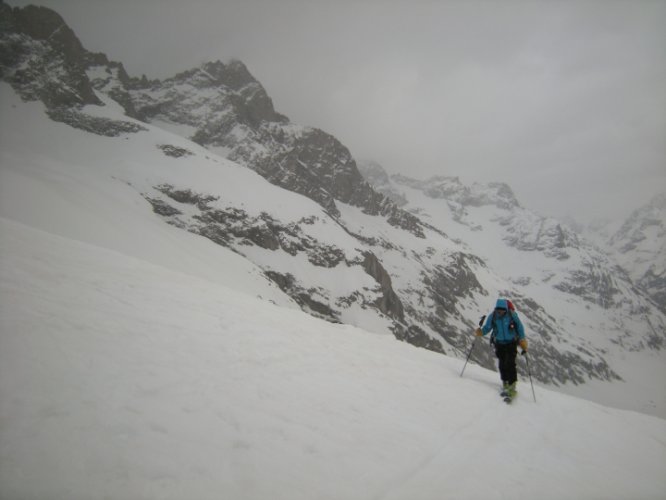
{"points": [[527, 360], [470, 353], [472, 348]]}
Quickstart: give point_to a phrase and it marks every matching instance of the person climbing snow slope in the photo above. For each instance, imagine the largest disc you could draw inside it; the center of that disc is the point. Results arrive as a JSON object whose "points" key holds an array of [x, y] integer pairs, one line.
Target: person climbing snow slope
{"points": [[508, 333]]}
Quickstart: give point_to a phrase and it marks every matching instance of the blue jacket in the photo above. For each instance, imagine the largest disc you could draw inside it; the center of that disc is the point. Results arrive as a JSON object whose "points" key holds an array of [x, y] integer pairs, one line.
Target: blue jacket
{"points": [[501, 326]]}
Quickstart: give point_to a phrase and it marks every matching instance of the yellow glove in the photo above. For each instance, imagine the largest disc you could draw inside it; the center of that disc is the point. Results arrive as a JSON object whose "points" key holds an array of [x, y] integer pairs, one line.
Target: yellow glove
{"points": [[523, 344], [479, 332]]}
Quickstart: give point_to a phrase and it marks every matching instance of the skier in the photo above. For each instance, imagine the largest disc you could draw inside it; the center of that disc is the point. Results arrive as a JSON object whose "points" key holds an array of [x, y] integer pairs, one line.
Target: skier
{"points": [[508, 334]]}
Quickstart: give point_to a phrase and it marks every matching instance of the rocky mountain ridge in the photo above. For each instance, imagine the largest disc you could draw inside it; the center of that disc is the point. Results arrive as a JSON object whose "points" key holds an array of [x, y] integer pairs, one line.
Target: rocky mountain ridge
{"points": [[567, 263], [362, 259], [223, 104], [640, 246], [637, 244], [229, 111]]}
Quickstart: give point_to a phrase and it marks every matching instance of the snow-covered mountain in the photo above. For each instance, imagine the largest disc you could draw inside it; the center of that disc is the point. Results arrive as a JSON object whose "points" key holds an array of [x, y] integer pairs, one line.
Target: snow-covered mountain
{"points": [[640, 246], [586, 293], [122, 379], [90, 153]]}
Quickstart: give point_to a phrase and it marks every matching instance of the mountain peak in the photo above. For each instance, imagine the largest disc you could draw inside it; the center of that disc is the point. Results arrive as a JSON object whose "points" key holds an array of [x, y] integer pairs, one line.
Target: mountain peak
{"points": [[450, 188], [35, 44], [373, 172], [640, 246], [649, 217], [658, 201], [42, 23], [497, 193], [233, 75]]}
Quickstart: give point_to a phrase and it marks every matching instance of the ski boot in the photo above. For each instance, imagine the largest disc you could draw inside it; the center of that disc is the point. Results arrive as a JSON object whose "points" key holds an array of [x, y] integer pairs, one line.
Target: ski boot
{"points": [[510, 392]]}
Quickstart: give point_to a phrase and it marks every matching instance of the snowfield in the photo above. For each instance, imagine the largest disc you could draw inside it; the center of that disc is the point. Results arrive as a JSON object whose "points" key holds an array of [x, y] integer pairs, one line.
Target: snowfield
{"points": [[122, 379], [620, 333], [139, 361]]}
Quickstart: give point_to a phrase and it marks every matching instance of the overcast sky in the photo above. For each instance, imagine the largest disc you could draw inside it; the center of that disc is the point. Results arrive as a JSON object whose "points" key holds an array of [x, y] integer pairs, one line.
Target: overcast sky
{"points": [[563, 100]]}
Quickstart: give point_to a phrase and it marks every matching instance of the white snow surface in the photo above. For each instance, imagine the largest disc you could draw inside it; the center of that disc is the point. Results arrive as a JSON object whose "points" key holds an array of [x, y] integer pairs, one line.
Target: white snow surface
{"points": [[88, 187], [139, 361], [643, 372], [123, 379]]}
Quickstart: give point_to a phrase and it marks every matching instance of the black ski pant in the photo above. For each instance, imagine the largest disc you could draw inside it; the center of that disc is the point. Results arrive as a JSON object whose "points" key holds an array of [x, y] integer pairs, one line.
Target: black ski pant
{"points": [[506, 353]]}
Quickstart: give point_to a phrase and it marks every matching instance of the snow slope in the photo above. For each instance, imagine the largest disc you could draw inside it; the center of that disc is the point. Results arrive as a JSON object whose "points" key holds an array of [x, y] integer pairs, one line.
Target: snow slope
{"points": [[87, 187], [123, 379], [100, 188], [137, 360], [546, 272], [95, 189]]}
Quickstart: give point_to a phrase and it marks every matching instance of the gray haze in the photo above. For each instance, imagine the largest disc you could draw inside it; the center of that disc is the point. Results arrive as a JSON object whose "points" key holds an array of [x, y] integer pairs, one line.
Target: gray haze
{"points": [[563, 100]]}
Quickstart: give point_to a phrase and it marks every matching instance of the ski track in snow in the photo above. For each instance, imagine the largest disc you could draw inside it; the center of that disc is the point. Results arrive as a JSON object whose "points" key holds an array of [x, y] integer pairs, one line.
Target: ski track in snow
{"points": [[456, 440]]}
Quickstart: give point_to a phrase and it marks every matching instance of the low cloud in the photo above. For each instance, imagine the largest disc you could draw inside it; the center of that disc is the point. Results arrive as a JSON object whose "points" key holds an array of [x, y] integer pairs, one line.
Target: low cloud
{"points": [[565, 101]]}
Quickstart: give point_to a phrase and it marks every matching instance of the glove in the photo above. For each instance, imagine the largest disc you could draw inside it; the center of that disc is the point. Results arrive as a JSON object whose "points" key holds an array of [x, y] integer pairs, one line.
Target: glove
{"points": [[523, 344], [478, 332]]}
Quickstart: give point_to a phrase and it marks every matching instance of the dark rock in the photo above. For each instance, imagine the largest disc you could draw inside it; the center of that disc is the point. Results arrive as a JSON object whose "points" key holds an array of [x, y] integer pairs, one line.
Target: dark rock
{"points": [[35, 45], [304, 298], [174, 151], [593, 283], [162, 208], [655, 285], [389, 303], [94, 124], [449, 284], [417, 337], [187, 196]]}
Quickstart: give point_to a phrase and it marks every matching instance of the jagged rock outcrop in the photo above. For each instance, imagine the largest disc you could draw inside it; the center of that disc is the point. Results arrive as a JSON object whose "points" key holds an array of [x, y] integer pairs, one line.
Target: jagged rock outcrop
{"points": [[531, 232], [94, 124], [498, 194], [565, 263], [377, 177], [233, 98], [225, 106], [304, 298], [229, 109], [640, 246], [112, 79], [389, 302], [41, 57]]}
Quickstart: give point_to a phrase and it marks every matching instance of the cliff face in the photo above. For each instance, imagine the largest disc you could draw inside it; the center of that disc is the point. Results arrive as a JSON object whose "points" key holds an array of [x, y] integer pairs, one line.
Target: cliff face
{"points": [[229, 111], [42, 57]]}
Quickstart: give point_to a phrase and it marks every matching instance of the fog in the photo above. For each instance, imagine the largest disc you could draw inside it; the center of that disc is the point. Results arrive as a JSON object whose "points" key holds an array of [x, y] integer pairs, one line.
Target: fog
{"points": [[564, 101]]}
